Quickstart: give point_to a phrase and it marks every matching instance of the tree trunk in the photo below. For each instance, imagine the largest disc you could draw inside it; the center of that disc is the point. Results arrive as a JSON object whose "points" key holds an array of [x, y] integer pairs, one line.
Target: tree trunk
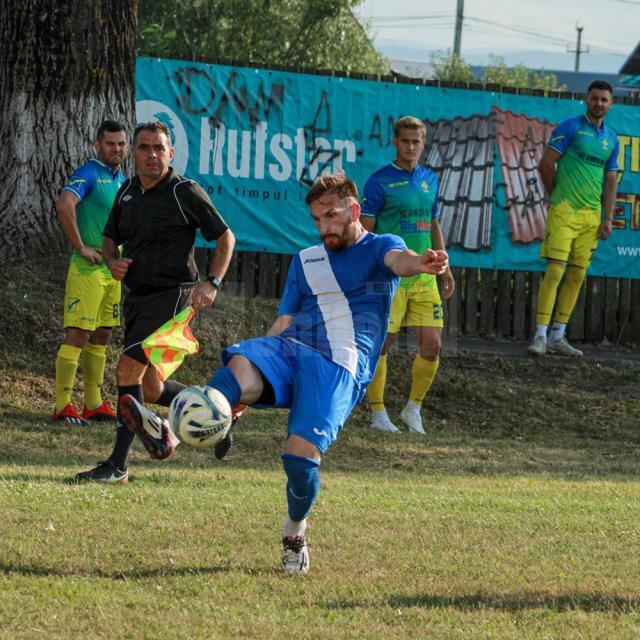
{"points": [[64, 67]]}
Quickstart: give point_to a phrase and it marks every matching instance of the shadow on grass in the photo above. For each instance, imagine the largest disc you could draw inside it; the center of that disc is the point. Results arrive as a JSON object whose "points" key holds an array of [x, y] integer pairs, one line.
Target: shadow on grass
{"points": [[132, 574], [512, 602]]}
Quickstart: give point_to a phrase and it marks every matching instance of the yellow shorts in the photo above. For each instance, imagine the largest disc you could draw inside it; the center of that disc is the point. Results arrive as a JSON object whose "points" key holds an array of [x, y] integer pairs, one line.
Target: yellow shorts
{"points": [[419, 306], [91, 300], [571, 235]]}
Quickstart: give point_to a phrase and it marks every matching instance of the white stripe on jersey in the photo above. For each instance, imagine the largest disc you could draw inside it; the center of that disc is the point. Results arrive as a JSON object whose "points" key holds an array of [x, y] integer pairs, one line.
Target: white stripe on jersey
{"points": [[333, 306]]}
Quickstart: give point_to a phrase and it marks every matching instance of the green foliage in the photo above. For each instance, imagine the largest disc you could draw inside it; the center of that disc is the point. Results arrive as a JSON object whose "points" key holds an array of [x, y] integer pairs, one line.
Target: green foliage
{"points": [[449, 67], [292, 33], [519, 76], [497, 72]]}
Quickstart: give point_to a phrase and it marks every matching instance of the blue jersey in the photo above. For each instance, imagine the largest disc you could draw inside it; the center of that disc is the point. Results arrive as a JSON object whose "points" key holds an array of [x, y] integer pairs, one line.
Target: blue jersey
{"points": [[340, 302], [405, 204], [95, 185], [587, 153]]}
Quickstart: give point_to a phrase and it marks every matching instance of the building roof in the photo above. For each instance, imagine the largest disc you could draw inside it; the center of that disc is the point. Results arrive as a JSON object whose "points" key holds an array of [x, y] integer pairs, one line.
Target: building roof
{"points": [[631, 67]]}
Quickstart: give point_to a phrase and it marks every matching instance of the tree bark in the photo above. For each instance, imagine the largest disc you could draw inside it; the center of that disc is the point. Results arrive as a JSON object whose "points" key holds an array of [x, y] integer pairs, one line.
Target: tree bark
{"points": [[65, 66]]}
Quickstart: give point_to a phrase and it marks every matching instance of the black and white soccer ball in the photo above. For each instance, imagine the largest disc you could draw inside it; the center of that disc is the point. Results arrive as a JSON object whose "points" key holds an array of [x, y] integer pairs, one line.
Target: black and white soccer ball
{"points": [[200, 416]]}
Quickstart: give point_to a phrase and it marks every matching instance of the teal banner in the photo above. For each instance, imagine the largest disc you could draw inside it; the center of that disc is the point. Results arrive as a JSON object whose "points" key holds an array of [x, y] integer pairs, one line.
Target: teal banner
{"points": [[256, 139]]}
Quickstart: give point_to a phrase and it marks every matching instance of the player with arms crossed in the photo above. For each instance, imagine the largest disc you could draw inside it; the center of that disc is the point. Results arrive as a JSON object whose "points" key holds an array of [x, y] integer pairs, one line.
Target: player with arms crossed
{"points": [[320, 354], [579, 172], [92, 295], [402, 198]]}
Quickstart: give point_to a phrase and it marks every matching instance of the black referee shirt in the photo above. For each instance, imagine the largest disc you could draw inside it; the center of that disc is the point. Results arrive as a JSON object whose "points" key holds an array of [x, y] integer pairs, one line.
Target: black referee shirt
{"points": [[157, 229]]}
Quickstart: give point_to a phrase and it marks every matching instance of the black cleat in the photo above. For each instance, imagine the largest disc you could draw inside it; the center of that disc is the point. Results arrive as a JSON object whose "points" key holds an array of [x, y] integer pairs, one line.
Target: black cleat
{"points": [[105, 472], [223, 447], [154, 432]]}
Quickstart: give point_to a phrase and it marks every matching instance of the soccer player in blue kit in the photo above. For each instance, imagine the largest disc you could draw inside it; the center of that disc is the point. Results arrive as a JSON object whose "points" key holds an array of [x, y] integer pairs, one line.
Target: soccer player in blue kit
{"points": [[321, 353]]}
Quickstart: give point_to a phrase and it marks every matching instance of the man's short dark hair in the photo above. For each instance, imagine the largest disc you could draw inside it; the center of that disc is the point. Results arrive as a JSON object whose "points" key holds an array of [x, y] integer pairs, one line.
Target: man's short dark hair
{"points": [[409, 122], [336, 183], [153, 126], [603, 85], [110, 126]]}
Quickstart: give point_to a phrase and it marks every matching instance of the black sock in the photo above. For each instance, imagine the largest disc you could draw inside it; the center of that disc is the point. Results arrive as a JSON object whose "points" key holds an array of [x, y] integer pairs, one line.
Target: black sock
{"points": [[170, 391], [124, 437]]}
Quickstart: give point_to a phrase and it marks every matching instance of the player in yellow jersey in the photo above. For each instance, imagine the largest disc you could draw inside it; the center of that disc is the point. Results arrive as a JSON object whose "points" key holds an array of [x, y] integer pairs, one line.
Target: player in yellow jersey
{"points": [[402, 198], [579, 170], [92, 295]]}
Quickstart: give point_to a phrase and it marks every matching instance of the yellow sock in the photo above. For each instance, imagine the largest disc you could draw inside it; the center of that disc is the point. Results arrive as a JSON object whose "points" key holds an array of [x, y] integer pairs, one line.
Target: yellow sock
{"points": [[569, 293], [376, 388], [547, 292], [66, 367], [94, 359], [423, 373]]}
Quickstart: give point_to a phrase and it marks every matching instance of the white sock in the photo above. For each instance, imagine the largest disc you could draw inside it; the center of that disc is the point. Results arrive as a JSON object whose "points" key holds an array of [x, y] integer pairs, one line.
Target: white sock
{"points": [[557, 330], [379, 413], [293, 528], [541, 331], [412, 406]]}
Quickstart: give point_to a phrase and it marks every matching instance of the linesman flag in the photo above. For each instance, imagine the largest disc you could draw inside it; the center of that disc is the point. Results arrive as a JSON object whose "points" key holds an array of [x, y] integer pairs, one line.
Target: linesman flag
{"points": [[167, 346]]}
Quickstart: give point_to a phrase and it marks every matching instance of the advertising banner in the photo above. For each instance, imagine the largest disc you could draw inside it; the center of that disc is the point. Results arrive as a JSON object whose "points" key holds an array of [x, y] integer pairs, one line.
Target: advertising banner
{"points": [[256, 139]]}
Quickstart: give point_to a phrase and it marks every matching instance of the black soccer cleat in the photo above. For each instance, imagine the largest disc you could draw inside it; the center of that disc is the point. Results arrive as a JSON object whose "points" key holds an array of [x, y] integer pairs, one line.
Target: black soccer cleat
{"points": [[154, 432], [105, 471], [223, 447]]}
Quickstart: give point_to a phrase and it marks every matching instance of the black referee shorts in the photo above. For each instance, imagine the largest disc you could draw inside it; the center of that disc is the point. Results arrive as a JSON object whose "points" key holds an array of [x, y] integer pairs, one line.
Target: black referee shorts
{"points": [[144, 314]]}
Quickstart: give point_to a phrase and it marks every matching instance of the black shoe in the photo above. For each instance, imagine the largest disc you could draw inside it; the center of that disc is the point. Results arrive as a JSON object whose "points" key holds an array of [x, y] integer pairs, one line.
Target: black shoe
{"points": [[105, 472], [223, 447], [154, 432]]}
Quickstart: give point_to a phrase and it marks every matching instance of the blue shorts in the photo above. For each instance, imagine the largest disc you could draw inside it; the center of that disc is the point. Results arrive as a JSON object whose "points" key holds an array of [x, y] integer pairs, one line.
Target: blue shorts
{"points": [[320, 393]]}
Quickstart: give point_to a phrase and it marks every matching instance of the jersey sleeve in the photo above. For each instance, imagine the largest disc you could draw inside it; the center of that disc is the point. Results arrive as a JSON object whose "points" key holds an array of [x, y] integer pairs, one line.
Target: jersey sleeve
{"points": [[291, 300], [198, 208], [372, 199], [81, 182], [389, 242], [612, 162], [562, 136]]}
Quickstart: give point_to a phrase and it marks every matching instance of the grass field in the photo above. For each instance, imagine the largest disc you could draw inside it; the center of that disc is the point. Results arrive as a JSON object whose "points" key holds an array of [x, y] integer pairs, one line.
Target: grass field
{"points": [[517, 517]]}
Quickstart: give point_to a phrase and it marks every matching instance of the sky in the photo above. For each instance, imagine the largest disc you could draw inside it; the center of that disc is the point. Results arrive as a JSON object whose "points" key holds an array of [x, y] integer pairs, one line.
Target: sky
{"points": [[534, 32]]}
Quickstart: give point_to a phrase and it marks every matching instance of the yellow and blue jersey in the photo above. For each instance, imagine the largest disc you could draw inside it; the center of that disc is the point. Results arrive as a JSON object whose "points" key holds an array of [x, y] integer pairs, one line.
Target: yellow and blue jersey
{"points": [[587, 154], [95, 185], [404, 204]]}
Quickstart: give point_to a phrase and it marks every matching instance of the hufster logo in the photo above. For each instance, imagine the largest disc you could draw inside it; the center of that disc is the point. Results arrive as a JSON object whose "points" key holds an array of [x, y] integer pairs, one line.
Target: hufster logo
{"points": [[151, 110]]}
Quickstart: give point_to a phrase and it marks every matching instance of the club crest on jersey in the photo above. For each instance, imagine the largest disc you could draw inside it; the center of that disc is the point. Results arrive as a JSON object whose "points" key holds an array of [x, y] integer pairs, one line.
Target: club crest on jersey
{"points": [[425, 186], [605, 144]]}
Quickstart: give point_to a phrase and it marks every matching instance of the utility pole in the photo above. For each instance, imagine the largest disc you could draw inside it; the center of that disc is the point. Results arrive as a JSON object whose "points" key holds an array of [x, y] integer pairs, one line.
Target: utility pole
{"points": [[578, 50], [457, 38]]}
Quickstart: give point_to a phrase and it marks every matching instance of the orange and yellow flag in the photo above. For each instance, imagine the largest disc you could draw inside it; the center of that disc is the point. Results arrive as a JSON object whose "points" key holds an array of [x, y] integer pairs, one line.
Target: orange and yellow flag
{"points": [[167, 346]]}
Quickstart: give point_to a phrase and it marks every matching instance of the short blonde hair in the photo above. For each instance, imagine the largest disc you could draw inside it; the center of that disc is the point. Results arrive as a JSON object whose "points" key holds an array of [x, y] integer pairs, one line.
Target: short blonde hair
{"points": [[409, 122]]}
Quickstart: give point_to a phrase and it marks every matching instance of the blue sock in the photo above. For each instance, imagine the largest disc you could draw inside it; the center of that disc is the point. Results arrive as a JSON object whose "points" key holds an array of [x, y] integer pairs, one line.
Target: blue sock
{"points": [[303, 484], [225, 381]]}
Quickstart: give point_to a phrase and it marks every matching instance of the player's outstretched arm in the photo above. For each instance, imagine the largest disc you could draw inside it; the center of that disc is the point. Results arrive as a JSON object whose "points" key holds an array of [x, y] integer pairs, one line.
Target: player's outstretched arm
{"points": [[409, 263]]}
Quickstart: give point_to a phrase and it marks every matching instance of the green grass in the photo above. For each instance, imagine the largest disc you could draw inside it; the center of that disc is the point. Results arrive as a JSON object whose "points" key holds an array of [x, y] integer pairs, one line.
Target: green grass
{"points": [[517, 517]]}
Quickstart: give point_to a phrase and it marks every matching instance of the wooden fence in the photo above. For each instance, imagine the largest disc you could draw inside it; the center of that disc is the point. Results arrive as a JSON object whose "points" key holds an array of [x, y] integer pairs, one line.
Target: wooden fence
{"points": [[486, 303]]}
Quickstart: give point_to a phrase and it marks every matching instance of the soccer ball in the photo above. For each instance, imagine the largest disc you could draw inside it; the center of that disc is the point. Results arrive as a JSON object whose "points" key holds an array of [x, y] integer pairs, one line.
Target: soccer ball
{"points": [[200, 416]]}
